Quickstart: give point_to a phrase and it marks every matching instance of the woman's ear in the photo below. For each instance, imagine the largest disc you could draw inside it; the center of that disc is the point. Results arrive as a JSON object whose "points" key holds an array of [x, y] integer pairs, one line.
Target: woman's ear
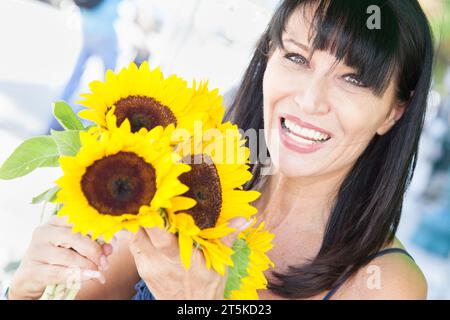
{"points": [[394, 116]]}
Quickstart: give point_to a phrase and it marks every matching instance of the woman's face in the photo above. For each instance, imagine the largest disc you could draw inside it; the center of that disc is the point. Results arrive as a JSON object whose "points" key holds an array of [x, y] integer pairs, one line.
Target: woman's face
{"points": [[318, 119]]}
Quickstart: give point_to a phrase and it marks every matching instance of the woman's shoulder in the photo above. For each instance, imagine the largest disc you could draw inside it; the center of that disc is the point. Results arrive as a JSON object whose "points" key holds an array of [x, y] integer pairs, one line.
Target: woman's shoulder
{"points": [[393, 276]]}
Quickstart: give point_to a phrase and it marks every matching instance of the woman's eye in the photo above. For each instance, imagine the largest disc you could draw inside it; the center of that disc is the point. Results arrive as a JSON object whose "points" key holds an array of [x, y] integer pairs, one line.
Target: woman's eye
{"points": [[296, 58], [354, 80]]}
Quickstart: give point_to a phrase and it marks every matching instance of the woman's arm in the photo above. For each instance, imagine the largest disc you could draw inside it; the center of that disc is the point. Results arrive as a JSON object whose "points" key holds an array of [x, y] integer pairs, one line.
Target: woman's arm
{"points": [[121, 275]]}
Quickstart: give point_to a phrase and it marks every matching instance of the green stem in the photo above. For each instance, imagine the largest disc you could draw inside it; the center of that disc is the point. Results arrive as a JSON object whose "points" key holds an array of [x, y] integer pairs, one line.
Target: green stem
{"points": [[72, 294], [48, 293]]}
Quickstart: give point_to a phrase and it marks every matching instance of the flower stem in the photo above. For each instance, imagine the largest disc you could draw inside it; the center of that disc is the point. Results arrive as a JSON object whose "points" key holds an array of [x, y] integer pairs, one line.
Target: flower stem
{"points": [[48, 293]]}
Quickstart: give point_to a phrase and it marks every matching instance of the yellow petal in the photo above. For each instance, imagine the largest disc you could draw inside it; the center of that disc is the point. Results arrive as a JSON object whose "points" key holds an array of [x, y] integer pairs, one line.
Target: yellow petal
{"points": [[185, 243]]}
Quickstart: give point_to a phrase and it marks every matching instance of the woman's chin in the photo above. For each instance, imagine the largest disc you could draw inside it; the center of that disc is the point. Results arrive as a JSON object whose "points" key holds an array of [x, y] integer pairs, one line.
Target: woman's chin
{"points": [[299, 169]]}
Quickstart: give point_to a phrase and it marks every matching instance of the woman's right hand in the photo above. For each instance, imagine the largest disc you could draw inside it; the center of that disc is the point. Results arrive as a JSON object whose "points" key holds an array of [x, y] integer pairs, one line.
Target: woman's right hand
{"points": [[57, 256]]}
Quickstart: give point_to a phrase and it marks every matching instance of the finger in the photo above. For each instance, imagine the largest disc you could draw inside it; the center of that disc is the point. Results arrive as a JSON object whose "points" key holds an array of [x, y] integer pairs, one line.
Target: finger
{"points": [[198, 258], [163, 241], [92, 253], [239, 224], [107, 249], [145, 255], [64, 257], [59, 221], [82, 244], [141, 245], [52, 274]]}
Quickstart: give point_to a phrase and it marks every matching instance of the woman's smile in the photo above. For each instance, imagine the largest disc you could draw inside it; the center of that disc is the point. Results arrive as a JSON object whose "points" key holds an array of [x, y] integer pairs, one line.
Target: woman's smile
{"points": [[300, 136], [321, 121]]}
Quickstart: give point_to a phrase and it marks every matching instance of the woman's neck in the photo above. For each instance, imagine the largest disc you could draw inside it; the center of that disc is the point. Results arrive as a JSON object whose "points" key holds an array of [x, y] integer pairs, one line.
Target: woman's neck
{"points": [[306, 200]]}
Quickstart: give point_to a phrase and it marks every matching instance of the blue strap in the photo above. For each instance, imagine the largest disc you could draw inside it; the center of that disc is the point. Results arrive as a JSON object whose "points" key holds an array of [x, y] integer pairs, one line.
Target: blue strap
{"points": [[379, 254], [142, 292], [393, 250]]}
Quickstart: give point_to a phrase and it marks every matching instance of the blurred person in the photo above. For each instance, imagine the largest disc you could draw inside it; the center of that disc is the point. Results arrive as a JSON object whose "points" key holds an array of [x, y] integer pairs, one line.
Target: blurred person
{"points": [[433, 232], [444, 121], [147, 21], [99, 39], [344, 112], [432, 151], [441, 128]]}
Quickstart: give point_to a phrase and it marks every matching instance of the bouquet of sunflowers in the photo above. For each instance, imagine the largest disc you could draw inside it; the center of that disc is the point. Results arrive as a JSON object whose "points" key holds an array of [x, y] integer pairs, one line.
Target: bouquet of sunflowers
{"points": [[157, 156]]}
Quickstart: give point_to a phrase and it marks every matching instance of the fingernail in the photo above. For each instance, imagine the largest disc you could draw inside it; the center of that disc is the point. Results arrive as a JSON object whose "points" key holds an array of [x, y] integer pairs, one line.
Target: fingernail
{"points": [[107, 249], [102, 279], [92, 274], [104, 265]]}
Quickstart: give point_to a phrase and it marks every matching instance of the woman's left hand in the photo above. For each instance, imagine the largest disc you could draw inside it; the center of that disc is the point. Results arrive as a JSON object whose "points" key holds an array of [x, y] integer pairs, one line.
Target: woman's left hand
{"points": [[157, 257]]}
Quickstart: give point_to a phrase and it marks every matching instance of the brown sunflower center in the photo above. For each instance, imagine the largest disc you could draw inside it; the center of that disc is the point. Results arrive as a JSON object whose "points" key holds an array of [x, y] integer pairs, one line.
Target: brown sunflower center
{"points": [[143, 112], [204, 187], [119, 184]]}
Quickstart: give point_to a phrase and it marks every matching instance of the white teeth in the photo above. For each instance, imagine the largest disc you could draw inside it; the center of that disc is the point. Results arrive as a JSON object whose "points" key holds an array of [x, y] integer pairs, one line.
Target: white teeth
{"points": [[300, 139], [307, 133]]}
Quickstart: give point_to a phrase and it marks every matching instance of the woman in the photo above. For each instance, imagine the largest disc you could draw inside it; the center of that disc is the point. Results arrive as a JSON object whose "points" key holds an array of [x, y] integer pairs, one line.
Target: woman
{"points": [[335, 198]]}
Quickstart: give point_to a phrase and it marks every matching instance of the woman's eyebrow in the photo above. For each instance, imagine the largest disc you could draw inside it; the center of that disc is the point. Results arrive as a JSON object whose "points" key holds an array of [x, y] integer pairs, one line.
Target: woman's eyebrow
{"points": [[306, 48], [296, 43]]}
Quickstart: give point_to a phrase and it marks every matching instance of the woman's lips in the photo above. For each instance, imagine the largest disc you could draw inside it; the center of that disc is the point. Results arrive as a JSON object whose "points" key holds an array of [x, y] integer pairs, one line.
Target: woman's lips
{"points": [[301, 137], [303, 124]]}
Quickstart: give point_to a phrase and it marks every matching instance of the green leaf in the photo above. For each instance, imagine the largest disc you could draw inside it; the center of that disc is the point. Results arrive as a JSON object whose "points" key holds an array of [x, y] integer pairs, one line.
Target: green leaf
{"points": [[66, 116], [46, 196], [57, 208], [31, 154], [89, 127], [240, 259], [68, 142]]}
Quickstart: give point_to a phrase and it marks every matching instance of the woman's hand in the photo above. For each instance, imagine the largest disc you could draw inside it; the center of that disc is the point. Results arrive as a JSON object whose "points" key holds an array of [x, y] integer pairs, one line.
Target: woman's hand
{"points": [[57, 256], [157, 256]]}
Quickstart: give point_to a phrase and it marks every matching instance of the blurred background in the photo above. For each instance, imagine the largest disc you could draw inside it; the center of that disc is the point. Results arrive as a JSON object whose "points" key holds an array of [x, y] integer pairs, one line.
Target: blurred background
{"points": [[52, 49]]}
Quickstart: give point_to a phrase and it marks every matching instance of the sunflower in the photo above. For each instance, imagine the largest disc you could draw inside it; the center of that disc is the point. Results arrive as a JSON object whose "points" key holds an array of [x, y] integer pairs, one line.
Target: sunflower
{"points": [[218, 170], [210, 100], [247, 274], [119, 180], [147, 99]]}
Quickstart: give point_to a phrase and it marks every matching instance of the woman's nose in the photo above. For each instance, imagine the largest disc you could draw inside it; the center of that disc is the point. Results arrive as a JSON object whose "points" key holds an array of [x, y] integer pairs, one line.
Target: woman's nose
{"points": [[312, 99]]}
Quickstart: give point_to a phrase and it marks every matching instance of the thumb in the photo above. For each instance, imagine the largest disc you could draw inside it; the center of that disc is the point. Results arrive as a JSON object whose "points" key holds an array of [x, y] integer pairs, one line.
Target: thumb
{"points": [[239, 224]]}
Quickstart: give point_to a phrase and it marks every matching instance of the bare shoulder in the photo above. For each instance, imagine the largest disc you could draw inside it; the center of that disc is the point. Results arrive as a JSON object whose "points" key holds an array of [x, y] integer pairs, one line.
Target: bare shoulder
{"points": [[393, 276]]}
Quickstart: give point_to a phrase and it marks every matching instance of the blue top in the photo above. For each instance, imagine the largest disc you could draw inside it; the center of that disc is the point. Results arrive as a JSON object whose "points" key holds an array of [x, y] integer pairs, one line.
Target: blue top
{"points": [[143, 293]]}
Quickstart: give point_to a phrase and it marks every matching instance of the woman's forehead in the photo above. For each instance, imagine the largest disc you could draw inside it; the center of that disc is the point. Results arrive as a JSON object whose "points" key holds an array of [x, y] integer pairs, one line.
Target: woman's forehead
{"points": [[300, 31], [299, 25], [335, 28]]}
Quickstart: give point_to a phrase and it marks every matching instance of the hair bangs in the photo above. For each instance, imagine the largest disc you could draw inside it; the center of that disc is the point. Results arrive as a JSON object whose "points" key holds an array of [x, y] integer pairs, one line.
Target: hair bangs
{"points": [[342, 28]]}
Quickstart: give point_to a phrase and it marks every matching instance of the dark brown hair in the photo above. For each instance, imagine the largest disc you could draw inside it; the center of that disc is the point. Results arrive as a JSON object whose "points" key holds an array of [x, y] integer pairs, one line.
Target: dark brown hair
{"points": [[367, 210]]}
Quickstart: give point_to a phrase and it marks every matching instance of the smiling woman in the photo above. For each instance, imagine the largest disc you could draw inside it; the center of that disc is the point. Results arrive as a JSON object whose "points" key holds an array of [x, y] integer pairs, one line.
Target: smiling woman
{"points": [[342, 107]]}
